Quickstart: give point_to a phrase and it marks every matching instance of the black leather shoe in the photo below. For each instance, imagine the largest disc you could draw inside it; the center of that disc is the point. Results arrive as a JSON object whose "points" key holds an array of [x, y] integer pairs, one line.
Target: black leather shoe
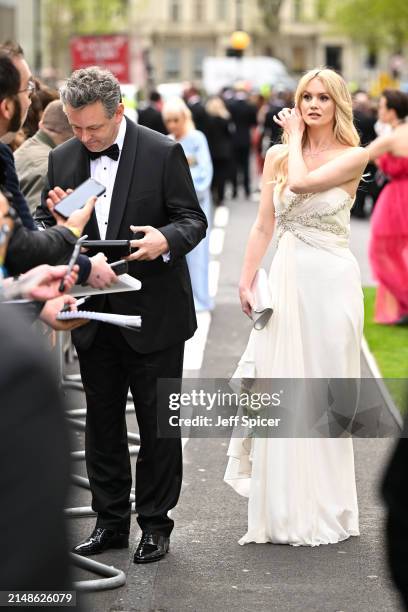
{"points": [[152, 547], [101, 539]]}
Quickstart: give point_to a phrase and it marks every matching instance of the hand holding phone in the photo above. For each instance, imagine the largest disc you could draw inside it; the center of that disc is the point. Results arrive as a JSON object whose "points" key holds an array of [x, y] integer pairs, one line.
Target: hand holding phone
{"points": [[78, 198]]}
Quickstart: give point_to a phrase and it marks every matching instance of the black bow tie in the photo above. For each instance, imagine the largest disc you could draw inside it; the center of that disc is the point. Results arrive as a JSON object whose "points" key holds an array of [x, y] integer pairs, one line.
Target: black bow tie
{"points": [[112, 152]]}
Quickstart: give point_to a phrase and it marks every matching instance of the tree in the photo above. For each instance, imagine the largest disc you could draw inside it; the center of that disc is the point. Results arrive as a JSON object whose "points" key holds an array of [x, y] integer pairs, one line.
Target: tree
{"points": [[376, 23]]}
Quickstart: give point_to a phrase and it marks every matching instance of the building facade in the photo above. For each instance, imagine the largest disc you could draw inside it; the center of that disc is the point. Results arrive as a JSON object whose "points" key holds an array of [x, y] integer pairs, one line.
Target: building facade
{"points": [[175, 35], [20, 21]]}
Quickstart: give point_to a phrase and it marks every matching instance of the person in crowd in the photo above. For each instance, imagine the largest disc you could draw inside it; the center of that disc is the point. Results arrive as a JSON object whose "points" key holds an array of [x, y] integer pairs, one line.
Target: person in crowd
{"points": [[262, 107], [315, 331], [40, 99], [364, 120], [31, 158], [394, 488], [272, 133], [220, 134], [29, 248], [41, 95], [179, 122], [150, 115], [389, 223], [243, 115], [195, 103], [34, 451], [39, 285], [153, 202], [34, 455]]}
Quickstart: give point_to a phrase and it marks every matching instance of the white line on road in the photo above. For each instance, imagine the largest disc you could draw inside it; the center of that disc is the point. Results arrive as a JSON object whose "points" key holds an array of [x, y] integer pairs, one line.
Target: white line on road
{"points": [[221, 216], [213, 277], [216, 241]]}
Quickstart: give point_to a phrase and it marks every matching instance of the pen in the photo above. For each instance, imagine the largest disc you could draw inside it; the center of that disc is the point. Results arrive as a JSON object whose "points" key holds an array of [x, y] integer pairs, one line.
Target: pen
{"points": [[67, 307], [83, 300], [72, 261]]}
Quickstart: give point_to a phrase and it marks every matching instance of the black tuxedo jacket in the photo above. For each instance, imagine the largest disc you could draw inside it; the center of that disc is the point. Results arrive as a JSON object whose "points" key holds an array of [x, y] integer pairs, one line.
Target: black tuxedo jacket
{"points": [[152, 118], [34, 458], [153, 187]]}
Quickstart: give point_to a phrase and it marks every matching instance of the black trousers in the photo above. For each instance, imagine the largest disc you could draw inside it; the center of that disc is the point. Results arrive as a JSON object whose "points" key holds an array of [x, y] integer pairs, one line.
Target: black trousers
{"points": [[222, 173], [108, 368], [241, 167]]}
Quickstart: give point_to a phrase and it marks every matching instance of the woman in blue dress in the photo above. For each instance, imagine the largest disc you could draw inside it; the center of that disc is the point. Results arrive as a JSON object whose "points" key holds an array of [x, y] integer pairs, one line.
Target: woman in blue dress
{"points": [[178, 120]]}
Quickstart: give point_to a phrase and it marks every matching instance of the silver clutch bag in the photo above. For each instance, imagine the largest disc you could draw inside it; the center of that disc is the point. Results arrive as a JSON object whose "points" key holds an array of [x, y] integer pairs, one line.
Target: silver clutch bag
{"points": [[262, 310]]}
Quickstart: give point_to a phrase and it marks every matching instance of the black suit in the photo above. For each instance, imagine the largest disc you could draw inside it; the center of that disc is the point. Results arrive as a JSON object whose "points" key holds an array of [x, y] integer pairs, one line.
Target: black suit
{"points": [[243, 114], [34, 458], [152, 118], [153, 187], [364, 123], [394, 490]]}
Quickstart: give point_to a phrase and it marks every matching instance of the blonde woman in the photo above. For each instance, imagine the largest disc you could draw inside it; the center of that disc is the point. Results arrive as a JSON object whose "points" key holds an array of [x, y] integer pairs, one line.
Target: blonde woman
{"points": [[179, 123], [302, 490], [220, 131]]}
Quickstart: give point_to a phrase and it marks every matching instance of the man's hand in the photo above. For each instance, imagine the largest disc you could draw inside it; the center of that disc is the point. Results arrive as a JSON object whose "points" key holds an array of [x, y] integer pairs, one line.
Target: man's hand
{"points": [[79, 218], [152, 245], [43, 281], [51, 308], [101, 275]]}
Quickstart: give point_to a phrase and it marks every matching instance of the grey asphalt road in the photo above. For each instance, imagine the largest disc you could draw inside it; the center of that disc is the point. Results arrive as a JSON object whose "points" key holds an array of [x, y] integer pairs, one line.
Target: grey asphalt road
{"points": [[206, 570]]}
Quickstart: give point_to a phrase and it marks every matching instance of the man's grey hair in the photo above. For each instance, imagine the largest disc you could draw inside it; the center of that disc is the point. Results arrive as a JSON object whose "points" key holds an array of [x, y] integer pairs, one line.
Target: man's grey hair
{"points": [[89, 85]]}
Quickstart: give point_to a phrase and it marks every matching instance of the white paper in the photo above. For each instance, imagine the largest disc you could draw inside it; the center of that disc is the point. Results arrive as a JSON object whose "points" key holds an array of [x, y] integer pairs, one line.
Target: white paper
{"points": [[129, 321], [125, 283]]}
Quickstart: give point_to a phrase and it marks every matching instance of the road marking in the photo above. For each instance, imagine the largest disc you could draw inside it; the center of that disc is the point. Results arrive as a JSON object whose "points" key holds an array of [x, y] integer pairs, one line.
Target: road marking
{"points": [[195, 347], [216, 241], [221, 216], [213, 277]]}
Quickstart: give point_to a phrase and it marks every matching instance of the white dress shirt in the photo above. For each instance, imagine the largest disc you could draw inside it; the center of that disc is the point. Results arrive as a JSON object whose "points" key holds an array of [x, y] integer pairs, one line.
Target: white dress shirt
{"points": [[103, 170]]}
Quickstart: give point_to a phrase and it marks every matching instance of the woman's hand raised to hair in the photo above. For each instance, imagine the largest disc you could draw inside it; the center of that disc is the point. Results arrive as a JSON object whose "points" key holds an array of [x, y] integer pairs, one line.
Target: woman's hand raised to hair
{"points": [[291, 121]]}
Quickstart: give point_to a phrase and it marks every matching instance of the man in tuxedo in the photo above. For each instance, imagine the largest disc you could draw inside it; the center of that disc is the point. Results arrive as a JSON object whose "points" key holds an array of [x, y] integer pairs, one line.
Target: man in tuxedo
{"points": [[28, 248], [149, 190]]}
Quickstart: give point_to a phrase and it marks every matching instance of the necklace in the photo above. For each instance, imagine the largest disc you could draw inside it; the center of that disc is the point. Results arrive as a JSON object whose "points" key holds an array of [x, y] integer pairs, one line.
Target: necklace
{"points": [[316, 153]]}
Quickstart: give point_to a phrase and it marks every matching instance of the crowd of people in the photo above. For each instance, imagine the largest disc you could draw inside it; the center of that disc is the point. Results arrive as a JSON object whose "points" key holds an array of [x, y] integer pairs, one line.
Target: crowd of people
{"points": [[162, 178], [237, 126]]}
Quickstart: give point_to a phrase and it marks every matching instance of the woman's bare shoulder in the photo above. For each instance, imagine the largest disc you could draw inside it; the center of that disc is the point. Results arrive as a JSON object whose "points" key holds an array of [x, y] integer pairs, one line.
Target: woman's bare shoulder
{"points": [[276, 150]]}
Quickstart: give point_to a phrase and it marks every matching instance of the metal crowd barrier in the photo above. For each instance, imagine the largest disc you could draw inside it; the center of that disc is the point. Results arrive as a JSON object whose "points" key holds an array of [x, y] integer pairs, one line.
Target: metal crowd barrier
{"points": [[113, 577]]}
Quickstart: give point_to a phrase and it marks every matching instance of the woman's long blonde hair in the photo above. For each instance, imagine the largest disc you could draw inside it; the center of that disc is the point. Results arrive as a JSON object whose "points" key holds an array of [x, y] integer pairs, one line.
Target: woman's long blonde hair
{"points": [[177, 106], [343, 129]]}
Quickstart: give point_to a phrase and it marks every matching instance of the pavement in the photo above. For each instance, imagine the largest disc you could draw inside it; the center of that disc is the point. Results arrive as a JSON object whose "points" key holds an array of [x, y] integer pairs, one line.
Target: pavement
{"points": [[206, 569]]}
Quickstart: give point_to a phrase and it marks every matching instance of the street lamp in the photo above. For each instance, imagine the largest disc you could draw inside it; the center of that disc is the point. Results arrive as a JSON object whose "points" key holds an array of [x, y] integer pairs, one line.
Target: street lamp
{"points": [[240, 39]]}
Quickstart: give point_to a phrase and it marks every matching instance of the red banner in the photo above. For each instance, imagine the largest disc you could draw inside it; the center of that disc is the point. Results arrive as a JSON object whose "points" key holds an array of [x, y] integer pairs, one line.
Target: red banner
{"points": [[110, 52]]}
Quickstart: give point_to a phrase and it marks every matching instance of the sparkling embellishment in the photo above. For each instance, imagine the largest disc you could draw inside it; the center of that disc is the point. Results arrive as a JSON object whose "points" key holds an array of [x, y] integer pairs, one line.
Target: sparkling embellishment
{"points": [[293, 223]]}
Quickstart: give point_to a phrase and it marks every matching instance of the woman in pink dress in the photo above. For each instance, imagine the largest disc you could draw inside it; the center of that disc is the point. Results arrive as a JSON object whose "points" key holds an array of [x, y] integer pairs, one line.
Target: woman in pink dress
{"points": [[388, 249]]}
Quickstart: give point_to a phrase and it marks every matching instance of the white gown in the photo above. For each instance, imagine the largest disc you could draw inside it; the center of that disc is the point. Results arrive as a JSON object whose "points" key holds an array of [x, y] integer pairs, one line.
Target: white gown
{"points": [[302, 491]]}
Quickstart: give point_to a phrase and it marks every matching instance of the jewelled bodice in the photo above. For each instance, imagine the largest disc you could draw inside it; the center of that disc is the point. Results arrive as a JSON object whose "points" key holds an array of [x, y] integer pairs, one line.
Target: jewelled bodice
{"points": [[315, 218]]}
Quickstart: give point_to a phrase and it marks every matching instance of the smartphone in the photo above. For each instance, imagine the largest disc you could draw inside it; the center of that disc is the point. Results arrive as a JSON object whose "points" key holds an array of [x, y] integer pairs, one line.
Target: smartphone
{"points": [[78, 198], [111, 248]]}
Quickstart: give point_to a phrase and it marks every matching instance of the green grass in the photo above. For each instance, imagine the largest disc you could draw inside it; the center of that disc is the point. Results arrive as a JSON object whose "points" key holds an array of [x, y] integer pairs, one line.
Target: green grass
{"points": [[389, 345]]}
